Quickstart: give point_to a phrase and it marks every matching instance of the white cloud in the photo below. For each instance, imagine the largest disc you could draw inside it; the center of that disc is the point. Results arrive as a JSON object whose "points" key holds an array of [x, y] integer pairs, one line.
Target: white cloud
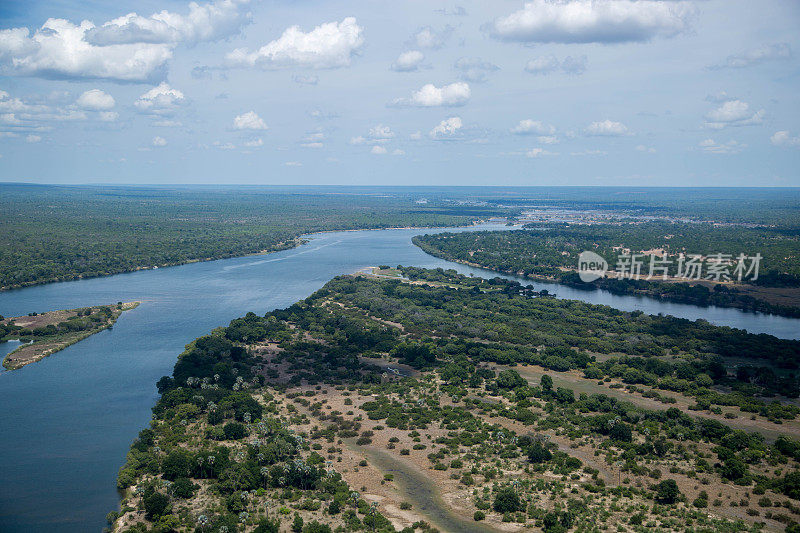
{"points": [[647, 149], [160, 100], [455, 94], [542, 65], [408, 61], [547, 139], [447, 128], [550, 63], [255, 143], [59, 50], [33, 138], [589, 152], [378, 150], [224, 146], [784, 138], [398, 151], [159, 141], [457, 11], [756, 56], [358, 140], [474, 69], [532, 127], [249, 121], [293, 164], [313, 144], [130, 48], [538, 152], [607, 128], [108, 116], [730, 147], [204, 22], [417, 135], [305, 80], [381, 133], [329, 45], [96, 100], [733, 113], [427, 37], [593, 21]]}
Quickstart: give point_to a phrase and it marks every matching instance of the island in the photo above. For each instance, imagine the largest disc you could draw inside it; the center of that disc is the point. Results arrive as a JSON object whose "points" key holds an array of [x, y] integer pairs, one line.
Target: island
{"points": [[44, 334], [416, 400]]}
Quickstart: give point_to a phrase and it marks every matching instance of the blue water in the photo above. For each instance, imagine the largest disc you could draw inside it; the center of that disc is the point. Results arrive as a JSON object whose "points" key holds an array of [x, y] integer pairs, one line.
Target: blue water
{"points": [[67, 421]]}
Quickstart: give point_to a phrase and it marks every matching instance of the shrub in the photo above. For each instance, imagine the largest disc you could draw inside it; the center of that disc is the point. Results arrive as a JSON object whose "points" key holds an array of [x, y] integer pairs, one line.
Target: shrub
{"points": [[478, 516], [506, 501]]}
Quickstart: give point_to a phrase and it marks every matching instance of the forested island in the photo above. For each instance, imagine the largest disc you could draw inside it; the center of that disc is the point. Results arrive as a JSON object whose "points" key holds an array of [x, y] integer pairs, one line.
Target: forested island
{"points": [[43, 334], [550, 252], [509, 409]]}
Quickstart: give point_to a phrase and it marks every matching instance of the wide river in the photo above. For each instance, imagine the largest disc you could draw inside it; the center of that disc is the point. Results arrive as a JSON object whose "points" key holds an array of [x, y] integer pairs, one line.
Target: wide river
{"points": [[67, 421]]}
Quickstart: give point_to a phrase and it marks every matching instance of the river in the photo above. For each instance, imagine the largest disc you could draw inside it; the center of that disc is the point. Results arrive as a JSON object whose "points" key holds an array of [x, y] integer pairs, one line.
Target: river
{"points": [[68, 420]]}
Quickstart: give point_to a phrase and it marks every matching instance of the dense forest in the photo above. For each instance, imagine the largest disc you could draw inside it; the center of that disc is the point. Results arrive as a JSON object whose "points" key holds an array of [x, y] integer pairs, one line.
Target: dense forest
{"points": [[550, 251], [60, 233], [267, 423]]}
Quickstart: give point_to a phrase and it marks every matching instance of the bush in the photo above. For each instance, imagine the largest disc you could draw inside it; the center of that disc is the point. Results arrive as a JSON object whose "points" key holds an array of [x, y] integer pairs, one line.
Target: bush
{"points": [[234, 431], [667, 491], [155, 504], [183, 488], [478, 516], [506, 501]]}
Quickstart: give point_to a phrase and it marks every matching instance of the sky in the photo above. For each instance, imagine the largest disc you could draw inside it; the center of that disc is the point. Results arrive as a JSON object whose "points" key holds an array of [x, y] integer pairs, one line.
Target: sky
{"points": [[414, 92]]}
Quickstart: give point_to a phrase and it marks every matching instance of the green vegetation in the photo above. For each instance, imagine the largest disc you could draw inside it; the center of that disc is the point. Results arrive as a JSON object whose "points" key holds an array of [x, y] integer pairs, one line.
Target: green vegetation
{"points": [[52, 233], [266, 420], [44, 334], [550, 252]]}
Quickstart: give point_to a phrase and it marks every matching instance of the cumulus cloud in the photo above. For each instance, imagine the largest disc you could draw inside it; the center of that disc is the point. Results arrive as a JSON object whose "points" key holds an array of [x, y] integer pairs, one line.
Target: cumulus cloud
{"points": [[547, 139], [408, 61], [455, 94], [127, 49], [474, 69], [108, 116], [593, 21], [712, 147], [95, 100], [249, 121], [381, 133], [204, 22], [733, 113], [428, 38], [160, 100], [607, 128], [457, 11], [255, 143], [646, 149], [756, 56], [301, 79], [538, 152], [329, 45], [784, 138], [378, 150], [159, 141], [447, 128], [532, 127], [33, 138], [550, 63]]}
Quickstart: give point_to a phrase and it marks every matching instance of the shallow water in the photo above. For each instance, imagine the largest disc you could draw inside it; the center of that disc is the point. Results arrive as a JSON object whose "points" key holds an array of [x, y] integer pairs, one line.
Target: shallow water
{"points": [[68, 420]]}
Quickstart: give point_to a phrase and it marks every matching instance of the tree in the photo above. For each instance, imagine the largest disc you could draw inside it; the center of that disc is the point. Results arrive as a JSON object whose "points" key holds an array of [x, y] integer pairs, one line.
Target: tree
{"points": [[510, 379], [155, 504], [297, 523], [267, 525], [547, 383], [176, 464], [183, 488], [506, 501], [667, 491], [538, 453]]}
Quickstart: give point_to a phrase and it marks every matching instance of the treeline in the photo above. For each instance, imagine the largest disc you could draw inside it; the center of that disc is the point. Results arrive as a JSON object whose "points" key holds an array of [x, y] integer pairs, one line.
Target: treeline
{"points": [[61, 233], [551, 252]]}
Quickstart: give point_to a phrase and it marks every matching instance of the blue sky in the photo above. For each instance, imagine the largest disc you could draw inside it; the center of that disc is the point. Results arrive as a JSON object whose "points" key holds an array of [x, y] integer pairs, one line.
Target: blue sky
{"points": [[545, 92]]}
